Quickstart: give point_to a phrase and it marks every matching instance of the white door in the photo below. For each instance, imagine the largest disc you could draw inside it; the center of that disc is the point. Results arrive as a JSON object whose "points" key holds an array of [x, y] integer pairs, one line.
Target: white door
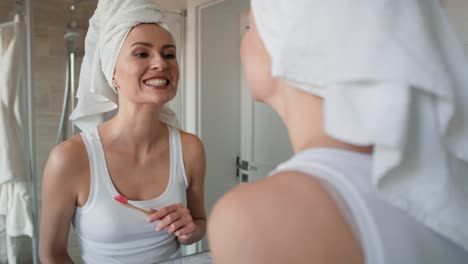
{"points": [[264, 138], [212, 91]]}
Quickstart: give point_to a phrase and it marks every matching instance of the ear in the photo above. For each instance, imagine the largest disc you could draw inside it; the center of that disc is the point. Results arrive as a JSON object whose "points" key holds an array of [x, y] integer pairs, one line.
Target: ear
{"points": [[116, 86]]}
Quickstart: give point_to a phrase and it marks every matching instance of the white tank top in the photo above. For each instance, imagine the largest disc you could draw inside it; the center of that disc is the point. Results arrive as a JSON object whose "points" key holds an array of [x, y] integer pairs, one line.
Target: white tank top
{"points": [[387, 235], [108, 232]]}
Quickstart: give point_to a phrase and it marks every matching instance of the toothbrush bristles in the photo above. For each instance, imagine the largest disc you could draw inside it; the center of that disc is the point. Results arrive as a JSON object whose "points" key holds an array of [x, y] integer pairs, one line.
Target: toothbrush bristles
{"points": [[121, 199]]}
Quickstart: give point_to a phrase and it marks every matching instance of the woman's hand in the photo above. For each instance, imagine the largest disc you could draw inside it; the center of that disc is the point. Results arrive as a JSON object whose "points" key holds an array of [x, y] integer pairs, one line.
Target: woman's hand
{"points": [[176, 219]]}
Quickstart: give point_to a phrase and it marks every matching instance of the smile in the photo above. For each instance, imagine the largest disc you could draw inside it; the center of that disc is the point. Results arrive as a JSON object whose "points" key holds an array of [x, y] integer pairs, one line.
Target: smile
{"points": [[157, 82]]}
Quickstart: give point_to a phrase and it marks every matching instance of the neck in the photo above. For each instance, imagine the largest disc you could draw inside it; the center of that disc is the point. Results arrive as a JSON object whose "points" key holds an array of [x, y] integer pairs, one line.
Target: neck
{"points": [[303, 116], [135, 127]]}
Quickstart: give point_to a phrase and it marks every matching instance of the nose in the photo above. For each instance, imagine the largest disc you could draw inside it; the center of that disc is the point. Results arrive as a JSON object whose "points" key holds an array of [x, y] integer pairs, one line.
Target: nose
{"points": [[159, 63]]}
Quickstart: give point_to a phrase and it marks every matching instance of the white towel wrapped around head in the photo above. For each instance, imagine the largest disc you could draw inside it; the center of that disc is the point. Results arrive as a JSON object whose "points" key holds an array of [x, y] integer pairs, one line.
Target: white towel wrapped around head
{"points": [[108, 28], [393, 75]]}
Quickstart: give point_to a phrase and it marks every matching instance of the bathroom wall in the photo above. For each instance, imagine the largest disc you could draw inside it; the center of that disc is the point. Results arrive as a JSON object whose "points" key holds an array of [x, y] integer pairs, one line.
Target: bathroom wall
{"points": [[458, 14], [172, 4], [6, 10]]}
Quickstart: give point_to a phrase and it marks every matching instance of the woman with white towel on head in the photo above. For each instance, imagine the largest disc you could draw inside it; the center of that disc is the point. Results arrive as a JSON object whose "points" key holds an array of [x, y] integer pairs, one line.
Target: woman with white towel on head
{"points": [[374, 95], [139, 155]]}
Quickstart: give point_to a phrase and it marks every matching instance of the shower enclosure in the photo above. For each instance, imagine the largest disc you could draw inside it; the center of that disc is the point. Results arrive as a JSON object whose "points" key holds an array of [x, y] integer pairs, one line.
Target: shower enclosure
{"points": [[72, 36]]}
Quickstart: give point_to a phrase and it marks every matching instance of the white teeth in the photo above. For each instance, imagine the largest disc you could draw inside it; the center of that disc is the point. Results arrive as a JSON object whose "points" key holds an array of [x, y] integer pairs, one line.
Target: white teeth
{"points": [[156, 82]]}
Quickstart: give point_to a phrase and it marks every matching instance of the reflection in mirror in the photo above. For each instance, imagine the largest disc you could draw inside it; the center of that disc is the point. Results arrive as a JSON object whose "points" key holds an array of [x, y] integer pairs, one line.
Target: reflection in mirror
{"points": [[65, 33]]}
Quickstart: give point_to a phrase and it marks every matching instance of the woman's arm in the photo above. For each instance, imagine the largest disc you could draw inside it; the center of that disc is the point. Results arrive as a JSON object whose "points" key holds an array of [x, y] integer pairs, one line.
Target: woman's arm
{"points": [[194, 158], [59, 199]]}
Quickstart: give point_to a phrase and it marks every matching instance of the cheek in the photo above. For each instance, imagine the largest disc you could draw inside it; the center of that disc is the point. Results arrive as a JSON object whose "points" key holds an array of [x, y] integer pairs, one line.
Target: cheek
{"points": [[257, 68], [128, 72]]}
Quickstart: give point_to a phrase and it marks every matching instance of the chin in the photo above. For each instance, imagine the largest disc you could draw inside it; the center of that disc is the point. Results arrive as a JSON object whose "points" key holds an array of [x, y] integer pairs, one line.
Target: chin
{"points": [[260, 95], [257, 98], [161, 98], [162, 101]]}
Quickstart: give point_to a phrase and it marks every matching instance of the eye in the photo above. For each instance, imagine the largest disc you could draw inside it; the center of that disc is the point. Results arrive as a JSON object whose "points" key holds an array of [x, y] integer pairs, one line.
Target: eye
{"points": [[169, 56], [141, 54]]}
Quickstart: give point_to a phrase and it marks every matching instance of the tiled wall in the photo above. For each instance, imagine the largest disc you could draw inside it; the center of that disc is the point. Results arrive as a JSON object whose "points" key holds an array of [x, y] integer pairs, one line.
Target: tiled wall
{"points": [[457, 11], [6, 10]]}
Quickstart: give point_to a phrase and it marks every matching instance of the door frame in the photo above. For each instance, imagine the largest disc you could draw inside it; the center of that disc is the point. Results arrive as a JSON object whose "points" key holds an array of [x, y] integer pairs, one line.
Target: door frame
{"points": [[247, 105], [192, 98]]}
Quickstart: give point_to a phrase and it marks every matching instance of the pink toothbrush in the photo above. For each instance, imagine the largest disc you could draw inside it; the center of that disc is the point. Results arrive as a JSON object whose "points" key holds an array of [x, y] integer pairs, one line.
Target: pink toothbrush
{"points": [[124, 201]]}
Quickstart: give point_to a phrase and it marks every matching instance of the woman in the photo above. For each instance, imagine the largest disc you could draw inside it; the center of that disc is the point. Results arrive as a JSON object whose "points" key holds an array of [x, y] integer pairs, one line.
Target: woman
{"points": [[373, 95], [140, 154]]}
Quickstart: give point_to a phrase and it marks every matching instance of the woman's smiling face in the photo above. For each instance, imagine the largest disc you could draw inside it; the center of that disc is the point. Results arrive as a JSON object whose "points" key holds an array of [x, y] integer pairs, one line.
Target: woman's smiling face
{"points": [[147, 70]]}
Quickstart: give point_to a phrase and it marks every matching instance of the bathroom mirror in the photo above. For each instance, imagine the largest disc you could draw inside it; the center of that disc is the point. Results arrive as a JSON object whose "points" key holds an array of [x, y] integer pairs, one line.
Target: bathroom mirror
{"points": [[243, 139]]}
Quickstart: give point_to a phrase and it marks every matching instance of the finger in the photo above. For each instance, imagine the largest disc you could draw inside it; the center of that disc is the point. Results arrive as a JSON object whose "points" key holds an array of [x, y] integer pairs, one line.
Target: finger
{"points": [[173, 227], [185, 237], [187, 230], [185, 219], [168, 219], [154, 216], [163, 212]]}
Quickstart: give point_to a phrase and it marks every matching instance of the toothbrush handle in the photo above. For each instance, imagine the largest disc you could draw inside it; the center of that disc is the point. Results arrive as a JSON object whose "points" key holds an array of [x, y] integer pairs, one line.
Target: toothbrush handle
{"points": [[138, 209]]}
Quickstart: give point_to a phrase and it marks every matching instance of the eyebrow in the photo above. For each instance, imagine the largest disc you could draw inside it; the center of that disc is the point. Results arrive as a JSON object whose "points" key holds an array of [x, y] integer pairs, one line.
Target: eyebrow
{"points": [[150, 45]]}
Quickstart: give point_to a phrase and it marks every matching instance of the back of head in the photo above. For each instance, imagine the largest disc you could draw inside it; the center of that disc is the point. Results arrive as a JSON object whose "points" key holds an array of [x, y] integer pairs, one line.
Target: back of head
{"points": [[392, 75]]}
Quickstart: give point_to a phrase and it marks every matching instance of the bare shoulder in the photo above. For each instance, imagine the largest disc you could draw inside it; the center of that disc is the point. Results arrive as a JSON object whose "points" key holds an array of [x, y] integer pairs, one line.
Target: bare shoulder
{"points": [[194, 157], [67, 161], [191, 143], [70, 153], [286, 218]]}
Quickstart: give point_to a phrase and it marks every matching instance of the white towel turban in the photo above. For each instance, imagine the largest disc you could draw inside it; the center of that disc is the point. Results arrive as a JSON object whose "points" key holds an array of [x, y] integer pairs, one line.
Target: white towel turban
{"points": [[392, 74], [108, 28]]}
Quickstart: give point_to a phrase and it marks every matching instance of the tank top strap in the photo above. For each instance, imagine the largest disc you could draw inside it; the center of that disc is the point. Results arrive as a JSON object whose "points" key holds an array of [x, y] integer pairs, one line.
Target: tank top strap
{"points": [[177, 157], [93, 146]]}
